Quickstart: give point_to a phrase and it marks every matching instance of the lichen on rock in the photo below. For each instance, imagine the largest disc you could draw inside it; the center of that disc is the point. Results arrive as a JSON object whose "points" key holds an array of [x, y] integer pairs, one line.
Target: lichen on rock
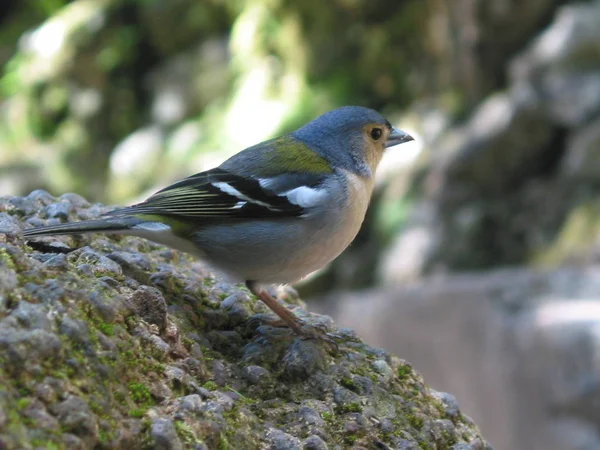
{"points": [[116, 342]]}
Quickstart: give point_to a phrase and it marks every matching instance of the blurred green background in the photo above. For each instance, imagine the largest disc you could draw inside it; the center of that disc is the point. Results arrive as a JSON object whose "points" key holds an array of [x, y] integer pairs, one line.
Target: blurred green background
{"points": [[110, 98], [113, 99]]}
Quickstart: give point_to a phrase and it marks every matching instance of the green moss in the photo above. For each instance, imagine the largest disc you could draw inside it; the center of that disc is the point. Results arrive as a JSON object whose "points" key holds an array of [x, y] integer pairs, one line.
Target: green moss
{"points": [[6, 259], [210, 385], [186, 433], [139, 392], [414, 421], [223, 444], [403, 372], [45, 444], [107, 329], [103, 436], [327, 416], [137, 412], [348, 383], [22, 403], [348, 408], [425, 446]]}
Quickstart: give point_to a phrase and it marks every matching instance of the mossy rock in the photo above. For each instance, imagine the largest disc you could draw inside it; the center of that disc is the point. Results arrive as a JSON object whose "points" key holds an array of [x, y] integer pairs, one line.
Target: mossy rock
{"points": [[116, 342]]}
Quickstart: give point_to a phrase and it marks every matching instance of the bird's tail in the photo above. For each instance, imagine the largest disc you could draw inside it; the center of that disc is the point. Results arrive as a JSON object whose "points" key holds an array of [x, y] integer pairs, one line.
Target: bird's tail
{"points": [[88, 226]]}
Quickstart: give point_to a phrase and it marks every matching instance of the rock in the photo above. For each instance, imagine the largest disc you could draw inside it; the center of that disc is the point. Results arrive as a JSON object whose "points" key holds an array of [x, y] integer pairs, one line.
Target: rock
{"points": [[346, 400], [562, 62], [92, 358], [99, 265], [75, 416], [57, 262], [75, 200], [134, 265], [281, 441], [58, 210], [8, 224], [582, 159], [255, 374], [303, 359], [314, 443], [76, 330], [497, 188], [150, 305], [164, 434]]}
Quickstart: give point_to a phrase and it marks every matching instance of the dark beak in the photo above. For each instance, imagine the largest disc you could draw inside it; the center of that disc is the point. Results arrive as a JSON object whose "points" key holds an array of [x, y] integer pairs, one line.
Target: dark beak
{"points": [[397, 137]]}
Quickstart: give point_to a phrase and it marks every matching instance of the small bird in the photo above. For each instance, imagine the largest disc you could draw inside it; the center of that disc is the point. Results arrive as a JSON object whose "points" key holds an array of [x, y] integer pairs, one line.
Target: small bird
{"points": [[272, 213]]}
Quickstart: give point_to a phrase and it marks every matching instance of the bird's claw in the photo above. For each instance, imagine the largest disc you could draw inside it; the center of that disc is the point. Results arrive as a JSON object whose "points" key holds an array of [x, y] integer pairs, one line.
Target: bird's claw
{"points": [[319, 332], [264, 319], [305, 331]]}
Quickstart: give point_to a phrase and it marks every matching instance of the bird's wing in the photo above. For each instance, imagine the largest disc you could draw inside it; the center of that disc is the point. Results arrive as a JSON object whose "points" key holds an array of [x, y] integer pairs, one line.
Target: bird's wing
{"points": [[220, 194]]}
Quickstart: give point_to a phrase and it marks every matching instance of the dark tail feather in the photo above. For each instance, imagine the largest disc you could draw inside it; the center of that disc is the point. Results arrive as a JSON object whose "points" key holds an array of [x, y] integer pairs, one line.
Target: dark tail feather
{"points": [[88, 226]]}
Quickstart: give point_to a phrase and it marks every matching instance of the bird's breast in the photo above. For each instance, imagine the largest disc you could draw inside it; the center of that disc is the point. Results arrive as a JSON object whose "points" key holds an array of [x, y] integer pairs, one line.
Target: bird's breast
{"points": [[333, 229]]}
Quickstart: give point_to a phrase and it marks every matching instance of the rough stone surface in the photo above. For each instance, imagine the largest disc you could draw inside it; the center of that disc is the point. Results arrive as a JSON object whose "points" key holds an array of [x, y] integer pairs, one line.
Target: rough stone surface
{"points": [[116, 342]]}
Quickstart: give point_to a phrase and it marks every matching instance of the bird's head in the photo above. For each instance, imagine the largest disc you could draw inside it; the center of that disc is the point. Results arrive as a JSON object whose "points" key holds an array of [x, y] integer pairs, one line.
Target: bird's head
{"points": [[352, 137]]}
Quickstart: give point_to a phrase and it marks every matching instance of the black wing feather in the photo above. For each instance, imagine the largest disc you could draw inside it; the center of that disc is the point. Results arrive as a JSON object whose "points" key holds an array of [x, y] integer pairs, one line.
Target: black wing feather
{"points": [[199, 197]]}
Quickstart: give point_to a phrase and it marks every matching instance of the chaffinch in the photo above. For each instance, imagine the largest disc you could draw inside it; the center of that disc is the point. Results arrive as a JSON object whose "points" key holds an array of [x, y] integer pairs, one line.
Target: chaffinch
{"points": [[272, 213]]}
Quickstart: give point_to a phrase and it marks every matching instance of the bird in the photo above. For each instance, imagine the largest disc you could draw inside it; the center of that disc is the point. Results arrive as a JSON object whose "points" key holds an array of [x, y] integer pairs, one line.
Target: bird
{"points": [[272, 213]]}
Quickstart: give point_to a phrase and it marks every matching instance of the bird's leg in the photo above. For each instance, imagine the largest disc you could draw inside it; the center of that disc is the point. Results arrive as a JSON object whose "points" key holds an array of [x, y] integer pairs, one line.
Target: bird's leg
{"points": [[290, 319], [287, 316]]}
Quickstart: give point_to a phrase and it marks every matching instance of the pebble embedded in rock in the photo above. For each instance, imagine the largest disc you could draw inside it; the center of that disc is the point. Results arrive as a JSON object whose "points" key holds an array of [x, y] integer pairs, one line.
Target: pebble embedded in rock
{"points": [[255, 374], [282, 441], [149, 304], [9, 225], [59, 210], [75, 200], [346, 400], [449, 403], [314, 443], [72, 442], [310, 416], [190, 403], [100, 265], [135, 265], [229, 301], [303, 358], [383, 368], [8, 282], [40, 197], [164, 434], [75, 416], [75, 329], [58, 262], [178, 377]]}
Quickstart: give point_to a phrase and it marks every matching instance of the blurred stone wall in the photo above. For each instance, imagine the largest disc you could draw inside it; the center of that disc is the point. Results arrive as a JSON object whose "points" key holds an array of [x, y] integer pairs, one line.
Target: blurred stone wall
{"points": [[110, 98], [519, 349], [517, 182]]}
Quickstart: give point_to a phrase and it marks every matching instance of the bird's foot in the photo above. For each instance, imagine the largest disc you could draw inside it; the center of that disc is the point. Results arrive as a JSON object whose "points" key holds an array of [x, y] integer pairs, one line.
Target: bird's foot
{"points": [[265, 319], [318, 332], [287, 317]]}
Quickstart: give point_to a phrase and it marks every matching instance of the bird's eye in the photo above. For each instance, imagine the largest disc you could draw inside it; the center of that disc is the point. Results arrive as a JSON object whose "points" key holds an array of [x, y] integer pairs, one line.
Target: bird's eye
{"points": [[375, 133]]}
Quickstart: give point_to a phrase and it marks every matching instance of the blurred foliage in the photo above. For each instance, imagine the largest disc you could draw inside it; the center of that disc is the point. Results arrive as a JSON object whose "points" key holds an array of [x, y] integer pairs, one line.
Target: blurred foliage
{"points": [[110, 98], [113, 99]]}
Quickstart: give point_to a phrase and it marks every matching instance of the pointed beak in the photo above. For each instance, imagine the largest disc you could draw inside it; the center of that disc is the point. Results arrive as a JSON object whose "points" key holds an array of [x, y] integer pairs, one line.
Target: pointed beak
{"points": [[397, 137]]}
